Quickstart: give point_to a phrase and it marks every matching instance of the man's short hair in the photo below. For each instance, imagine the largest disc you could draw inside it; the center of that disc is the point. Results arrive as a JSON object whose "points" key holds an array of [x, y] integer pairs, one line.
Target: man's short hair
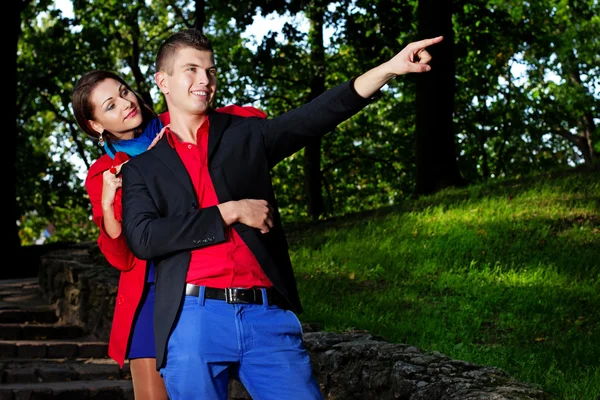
{"points": [[190, 37]]}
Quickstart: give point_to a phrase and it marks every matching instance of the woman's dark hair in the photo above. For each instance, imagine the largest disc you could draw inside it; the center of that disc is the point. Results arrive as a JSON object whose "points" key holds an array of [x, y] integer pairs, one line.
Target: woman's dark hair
{"points": [[83, 109]]}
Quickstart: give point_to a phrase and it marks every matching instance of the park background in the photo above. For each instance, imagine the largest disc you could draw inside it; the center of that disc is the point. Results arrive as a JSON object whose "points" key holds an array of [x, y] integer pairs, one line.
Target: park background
{"points": [[459, 213]]}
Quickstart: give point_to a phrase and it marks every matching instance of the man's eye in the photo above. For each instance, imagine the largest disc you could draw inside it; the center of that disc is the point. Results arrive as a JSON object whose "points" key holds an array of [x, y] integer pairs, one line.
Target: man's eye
{"points": [[193, 69], [212, 71]]}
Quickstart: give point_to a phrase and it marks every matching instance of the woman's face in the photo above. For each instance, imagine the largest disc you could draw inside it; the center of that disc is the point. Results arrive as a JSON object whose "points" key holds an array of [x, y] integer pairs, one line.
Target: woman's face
{"points": [[115, 109]]}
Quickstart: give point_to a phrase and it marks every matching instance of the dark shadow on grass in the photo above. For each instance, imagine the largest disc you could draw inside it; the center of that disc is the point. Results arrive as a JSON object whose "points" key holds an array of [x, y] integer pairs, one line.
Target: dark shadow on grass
{"points": [[509, 245], [508, 188]]}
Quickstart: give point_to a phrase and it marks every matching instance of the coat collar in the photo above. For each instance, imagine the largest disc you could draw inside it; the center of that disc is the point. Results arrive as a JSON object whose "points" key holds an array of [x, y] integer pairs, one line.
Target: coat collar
{"points": [[218, 123], [168, 156]]}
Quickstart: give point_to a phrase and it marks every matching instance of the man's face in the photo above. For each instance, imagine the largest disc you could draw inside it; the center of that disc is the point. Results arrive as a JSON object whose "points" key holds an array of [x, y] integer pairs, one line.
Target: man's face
{"points": [[192, 86]]}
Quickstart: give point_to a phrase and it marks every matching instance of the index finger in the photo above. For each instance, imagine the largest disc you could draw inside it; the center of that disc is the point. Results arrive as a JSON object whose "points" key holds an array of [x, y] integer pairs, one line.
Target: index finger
{"points": [[159, 136], [154, 141], [118, 167], [422, 44]]}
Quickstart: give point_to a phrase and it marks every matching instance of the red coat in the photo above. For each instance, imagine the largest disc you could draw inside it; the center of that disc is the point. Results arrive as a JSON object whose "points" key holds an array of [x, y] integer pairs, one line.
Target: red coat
{"points": [[117, 253]]}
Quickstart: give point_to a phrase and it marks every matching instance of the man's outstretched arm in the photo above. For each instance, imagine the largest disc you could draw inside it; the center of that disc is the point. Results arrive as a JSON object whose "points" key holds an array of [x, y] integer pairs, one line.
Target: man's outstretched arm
{"points": [[289, 132], [413, 58]]}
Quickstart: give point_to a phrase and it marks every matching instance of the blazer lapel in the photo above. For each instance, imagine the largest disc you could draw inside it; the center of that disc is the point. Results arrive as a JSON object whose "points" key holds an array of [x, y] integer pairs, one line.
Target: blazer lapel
{"points": [[218, 124], [168, 156]]}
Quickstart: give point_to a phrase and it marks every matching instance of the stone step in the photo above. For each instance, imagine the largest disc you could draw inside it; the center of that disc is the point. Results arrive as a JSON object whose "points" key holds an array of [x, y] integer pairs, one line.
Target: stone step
{"points": [[8, 292], [19, 303], [14, 371], [39, 331], [19, 316], [69, 349], [24, 294], [28, 302], [75, 390], [18, 283]]}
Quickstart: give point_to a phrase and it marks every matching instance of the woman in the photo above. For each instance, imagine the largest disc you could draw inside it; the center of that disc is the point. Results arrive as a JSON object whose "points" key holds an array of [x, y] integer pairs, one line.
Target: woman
{"points": [[107, 110]]}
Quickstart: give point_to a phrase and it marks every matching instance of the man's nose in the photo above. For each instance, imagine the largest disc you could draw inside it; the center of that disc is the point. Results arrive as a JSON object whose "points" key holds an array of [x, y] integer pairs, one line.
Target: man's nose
{"points": [[203, 77]]}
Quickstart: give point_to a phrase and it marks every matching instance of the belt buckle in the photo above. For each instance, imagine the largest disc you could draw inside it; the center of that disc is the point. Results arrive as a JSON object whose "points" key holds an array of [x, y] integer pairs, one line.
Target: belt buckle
{"points": [[232, 298]]}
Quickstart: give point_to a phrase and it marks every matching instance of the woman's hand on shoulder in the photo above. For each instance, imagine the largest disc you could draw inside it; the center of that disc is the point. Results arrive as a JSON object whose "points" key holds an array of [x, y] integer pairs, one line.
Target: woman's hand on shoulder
{"points": [[159, 135]]}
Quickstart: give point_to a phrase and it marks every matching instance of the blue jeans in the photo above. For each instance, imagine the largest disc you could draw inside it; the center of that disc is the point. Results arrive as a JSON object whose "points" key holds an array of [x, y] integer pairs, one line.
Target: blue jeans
{"points": [[261, 343]]}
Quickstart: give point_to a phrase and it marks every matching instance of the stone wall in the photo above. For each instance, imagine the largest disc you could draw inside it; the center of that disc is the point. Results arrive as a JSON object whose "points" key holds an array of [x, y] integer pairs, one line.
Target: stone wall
{"points": [[82, 285], [349, 365], [357, 365]]}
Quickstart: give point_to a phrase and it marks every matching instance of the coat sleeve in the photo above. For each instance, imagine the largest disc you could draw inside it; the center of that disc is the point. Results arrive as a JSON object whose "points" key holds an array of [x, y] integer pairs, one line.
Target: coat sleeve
{"points": [[115, 250], [290, 132], [152, 236]]}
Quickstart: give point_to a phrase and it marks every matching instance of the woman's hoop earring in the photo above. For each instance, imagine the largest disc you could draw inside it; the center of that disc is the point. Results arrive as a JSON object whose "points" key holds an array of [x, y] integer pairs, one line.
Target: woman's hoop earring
{"points": [[101, 141]]}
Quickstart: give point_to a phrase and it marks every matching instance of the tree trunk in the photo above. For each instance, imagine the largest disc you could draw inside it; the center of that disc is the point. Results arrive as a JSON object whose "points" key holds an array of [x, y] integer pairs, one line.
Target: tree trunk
{"points": [[312, 152], [436, 158], [134, 64], [10, 159], [200, 15], [482, 139], [587, 126]]}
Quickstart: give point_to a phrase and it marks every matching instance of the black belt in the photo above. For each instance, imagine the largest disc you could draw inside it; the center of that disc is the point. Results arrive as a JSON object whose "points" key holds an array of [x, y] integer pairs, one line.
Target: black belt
{"points": [[238, 295]]}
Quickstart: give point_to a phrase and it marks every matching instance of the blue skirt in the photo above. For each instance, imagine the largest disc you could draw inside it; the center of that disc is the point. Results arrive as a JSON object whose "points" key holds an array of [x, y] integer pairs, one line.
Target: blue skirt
{"points": [[141, 344]]}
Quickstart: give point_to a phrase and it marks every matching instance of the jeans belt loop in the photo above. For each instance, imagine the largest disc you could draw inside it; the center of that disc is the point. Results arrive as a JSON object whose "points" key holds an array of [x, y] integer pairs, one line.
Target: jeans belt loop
{"points": [[201, 296], [265, 298]]}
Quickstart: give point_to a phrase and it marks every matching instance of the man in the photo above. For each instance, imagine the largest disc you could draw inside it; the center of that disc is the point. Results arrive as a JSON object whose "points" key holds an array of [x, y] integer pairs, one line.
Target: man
{"points": [[201, 205]]}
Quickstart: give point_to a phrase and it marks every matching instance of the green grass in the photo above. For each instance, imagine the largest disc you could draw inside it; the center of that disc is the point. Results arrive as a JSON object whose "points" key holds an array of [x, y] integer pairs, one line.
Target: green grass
{"points": [[505, 274]]}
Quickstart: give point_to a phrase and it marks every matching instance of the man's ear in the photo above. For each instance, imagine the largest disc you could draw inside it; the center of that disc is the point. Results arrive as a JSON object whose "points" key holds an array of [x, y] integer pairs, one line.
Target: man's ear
{"points": [[96, 126], [161, 81]]}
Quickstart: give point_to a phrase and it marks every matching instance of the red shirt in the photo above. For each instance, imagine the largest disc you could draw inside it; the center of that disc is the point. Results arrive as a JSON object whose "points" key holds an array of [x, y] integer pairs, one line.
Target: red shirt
{"points": [[226, 264]]}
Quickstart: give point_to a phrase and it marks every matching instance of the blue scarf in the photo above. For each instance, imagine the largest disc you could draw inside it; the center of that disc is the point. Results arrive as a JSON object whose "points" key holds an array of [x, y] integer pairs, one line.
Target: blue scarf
{"points": [[138, 145]]}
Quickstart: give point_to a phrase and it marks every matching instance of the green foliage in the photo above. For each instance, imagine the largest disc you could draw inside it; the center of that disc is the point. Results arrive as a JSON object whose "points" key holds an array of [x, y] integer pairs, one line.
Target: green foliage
{"points": [[503, 274], [367, 161], [562, 55], [70, 223], [504, 126]]}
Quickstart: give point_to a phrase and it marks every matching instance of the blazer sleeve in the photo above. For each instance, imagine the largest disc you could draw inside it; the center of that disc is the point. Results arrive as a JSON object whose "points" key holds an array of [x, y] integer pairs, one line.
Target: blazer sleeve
{"points": [[291, 131], [115, 250], [148, 234]]}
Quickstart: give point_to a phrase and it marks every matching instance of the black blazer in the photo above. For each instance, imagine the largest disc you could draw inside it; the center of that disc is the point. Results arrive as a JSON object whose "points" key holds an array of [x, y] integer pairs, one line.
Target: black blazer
{"points": [[161, 219]]}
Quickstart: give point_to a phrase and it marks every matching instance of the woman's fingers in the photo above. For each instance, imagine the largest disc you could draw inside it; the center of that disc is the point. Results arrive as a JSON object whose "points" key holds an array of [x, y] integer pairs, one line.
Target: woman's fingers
{"points": [[159, 135]]}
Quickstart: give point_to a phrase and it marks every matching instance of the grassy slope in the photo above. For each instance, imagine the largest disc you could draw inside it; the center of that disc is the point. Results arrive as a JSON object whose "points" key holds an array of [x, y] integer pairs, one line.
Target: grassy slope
{"points": [[505, 274]]}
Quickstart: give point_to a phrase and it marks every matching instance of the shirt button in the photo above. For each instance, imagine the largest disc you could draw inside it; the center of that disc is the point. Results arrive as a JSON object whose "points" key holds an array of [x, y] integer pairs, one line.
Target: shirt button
{"points": [[189, 146]]}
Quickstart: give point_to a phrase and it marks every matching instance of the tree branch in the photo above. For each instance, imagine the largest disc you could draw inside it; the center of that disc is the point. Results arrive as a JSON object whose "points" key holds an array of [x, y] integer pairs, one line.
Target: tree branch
{"points": [[73, 131]]}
